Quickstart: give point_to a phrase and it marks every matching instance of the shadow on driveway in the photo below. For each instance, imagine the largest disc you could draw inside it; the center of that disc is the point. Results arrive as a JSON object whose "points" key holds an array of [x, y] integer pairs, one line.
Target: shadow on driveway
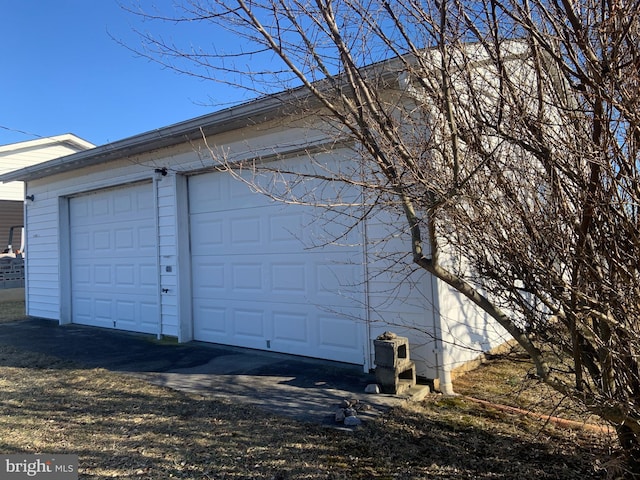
{"points": [[298, 387]]}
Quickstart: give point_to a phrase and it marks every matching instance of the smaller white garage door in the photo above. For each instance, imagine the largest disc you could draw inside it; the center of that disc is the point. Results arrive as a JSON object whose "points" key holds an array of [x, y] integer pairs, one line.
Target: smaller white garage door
{"points": [[114, 273], [254, 283]]}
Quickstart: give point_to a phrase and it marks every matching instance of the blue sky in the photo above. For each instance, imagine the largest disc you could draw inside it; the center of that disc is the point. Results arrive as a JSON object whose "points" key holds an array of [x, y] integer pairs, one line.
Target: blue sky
{"points": [[62, 73]]}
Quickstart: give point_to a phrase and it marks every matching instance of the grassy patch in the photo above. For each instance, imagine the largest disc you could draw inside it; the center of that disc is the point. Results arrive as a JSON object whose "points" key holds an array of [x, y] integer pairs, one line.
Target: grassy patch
{"points": [[510, 380], [12, 311], [125, 428]]}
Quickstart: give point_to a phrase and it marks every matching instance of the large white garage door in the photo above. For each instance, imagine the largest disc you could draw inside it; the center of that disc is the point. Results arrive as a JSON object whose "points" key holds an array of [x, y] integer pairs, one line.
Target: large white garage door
{"points": [[114, 276], [255, 285]]}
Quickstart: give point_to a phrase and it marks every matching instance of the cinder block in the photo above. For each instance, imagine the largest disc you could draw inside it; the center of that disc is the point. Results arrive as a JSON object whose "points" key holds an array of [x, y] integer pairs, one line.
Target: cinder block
{"points": [[390, 353], [386, 378], [396, 380]]}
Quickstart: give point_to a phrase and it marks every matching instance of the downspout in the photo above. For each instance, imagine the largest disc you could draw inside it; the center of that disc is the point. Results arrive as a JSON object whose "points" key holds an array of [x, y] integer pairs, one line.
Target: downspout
{"points": [[23, 245], [443, 374], [368, 354], [367, 301], [156, 208]]}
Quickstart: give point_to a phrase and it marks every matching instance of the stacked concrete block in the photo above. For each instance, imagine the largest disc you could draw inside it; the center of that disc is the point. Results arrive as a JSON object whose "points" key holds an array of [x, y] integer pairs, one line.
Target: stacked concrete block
{"points": [[395, 372], [11, 272]]}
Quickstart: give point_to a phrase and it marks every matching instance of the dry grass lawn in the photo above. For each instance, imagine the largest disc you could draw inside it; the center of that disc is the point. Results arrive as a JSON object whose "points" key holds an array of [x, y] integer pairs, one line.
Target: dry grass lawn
{"points": [[12, 311], [510, 380], [125, 428]]}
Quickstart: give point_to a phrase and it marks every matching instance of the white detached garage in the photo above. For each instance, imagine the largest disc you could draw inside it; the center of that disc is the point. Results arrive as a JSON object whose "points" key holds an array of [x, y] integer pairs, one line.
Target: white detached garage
{"points": [[143, 235]]}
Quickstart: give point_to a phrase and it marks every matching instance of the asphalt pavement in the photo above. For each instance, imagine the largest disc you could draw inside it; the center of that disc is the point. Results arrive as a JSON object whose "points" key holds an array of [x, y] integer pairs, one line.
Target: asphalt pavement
{"points": [[298, 387]]}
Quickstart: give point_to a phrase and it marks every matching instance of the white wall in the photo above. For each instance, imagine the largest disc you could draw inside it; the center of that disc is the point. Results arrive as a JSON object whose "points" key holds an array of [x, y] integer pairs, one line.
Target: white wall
{"points": [[401, 296], [48, 290], [467, 331]]}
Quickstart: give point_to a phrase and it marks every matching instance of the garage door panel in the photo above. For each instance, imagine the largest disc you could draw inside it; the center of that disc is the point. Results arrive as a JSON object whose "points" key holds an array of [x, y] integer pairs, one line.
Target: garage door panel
{"points": [[223, 194], [125, 275], [102, 275], [114, 273], [209, 231], [126, 242], [102, 309], [80, 212], [339, 284], [82, 243], [335, 275], [255, 284], [336, 332], [299, 329], [276, 280], [248, 323], [284, 229], [288, 278], [280, 298], [246, 232], [123, 204], [212, 279], [149, 316], [100, 207], [246, 278], [241, 236], [289, 327], [210, 321], [102, 242], [82, 307], [295, 329], [82, 276], [147, 240], [149, 277], [125, 314], [134, 315], [203, 195], [124, 239]]}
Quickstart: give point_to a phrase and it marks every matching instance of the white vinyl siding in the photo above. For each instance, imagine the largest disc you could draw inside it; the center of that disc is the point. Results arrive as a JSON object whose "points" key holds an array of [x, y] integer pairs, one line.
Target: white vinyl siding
{"points": [[167, 247], [43, 259], [401, 300]]}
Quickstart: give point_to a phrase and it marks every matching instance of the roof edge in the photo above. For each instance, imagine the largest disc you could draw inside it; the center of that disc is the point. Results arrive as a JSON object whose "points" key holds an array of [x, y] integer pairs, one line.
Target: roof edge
{"points": [[255, 111], [68, 138]]}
